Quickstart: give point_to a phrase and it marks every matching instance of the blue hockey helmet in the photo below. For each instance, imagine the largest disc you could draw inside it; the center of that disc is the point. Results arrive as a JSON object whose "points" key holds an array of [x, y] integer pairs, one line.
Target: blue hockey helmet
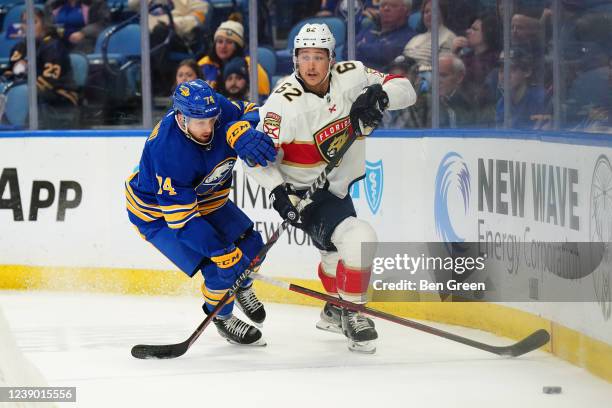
{"points": [[196, 99]]}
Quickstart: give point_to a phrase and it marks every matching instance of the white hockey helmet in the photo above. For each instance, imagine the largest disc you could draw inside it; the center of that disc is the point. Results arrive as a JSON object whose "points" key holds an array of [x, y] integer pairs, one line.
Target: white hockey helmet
{"points": [[314, 36]]}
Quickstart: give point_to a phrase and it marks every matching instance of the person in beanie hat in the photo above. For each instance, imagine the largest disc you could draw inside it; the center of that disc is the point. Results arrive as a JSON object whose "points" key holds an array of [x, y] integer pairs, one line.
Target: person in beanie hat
{"points": [[231, 30], [236, 79], [229, 43]]}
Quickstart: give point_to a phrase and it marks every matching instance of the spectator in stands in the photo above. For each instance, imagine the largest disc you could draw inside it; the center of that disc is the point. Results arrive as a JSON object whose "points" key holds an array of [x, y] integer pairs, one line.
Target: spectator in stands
{"points": [[600, 117], [189, 18], [417, 115], [57, 99], [527, 31], [366, 16], [461, 13], [530, 104], [377, 46], [236, 79], [479, 51], [79, 21], [419, 47], [188, 70], [456, 107], [229, 43], [588, 94]]}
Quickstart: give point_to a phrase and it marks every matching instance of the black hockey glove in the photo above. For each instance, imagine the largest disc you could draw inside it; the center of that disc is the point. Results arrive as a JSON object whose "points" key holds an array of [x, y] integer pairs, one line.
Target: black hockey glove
{"points": [[284, 199], [367, 110]]}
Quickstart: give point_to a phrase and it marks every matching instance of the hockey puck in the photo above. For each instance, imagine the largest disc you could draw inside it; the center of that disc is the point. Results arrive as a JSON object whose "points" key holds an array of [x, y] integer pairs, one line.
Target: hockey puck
{"points": [[551, 390]]}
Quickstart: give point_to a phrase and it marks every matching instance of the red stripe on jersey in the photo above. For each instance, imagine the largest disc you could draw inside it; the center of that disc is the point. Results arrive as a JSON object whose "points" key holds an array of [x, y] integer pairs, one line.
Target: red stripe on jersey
{"points": [[301, 153], [390, 77]]}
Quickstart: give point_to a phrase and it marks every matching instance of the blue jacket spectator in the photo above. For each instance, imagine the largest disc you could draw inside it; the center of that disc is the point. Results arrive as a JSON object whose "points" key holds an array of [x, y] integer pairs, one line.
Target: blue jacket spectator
{"points": [[527, 111], [530, 103], [79, 22], [377, 47]]}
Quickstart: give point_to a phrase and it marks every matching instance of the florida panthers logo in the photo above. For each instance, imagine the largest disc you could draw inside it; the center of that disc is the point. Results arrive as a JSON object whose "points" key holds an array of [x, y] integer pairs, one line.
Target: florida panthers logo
{"points": [[219, 175], [332, 137]]}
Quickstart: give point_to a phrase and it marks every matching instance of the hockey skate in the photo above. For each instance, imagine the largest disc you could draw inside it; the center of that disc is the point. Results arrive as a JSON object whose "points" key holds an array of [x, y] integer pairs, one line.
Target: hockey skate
{"points": [[359, 331], [247, 301], [235, 331], [331, 319]]}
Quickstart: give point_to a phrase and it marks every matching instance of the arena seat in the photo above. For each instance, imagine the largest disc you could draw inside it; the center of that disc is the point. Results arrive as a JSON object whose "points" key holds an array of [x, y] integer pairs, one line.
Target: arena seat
{"points": [[16, 107], [267, 59]]}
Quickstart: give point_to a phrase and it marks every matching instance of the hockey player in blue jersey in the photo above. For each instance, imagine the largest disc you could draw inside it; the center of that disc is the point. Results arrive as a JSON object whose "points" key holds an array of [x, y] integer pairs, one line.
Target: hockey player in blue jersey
{"points": [[179, 198]]}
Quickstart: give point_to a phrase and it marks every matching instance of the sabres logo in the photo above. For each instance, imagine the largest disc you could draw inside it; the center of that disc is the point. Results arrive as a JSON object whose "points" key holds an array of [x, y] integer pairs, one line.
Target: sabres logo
{"points": [[184, 91], [217, 176]]}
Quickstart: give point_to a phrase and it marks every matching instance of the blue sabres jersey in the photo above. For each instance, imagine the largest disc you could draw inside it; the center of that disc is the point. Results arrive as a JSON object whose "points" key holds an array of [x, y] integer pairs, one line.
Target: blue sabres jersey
{"points": [[179, 182]]}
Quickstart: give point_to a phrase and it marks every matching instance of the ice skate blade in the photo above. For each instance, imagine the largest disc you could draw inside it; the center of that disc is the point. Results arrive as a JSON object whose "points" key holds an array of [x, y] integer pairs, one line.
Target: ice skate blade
{"points": [[362, 347], [329, 327], [259, 343]]}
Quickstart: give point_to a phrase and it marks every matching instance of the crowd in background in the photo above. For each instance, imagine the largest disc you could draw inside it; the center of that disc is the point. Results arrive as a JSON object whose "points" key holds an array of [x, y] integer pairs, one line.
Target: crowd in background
{"points": [[394, 36]]}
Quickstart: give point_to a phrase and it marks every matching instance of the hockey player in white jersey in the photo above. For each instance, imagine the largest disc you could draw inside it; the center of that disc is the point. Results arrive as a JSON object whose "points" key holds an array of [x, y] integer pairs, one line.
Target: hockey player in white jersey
{"points": [[309, 117]]}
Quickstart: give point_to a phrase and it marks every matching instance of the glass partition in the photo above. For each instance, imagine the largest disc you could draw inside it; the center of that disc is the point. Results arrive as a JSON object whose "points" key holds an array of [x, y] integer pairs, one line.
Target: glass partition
{"points": [[585, 38], [87, 65], [548, 68], [399, 41], [530, 86]]}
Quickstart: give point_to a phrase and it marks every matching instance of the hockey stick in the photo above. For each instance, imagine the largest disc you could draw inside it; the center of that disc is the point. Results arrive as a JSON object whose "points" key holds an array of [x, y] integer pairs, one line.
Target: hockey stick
{"points": [[176, 350], [532, 342]]}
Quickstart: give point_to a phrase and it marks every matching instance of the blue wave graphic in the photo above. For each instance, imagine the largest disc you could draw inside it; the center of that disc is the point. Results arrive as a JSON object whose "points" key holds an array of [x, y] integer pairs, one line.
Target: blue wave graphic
{"points": [[452, 173]]}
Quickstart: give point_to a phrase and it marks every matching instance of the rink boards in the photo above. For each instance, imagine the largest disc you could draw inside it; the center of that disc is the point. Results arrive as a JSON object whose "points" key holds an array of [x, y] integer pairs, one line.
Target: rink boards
{"points": [[64, 223]]}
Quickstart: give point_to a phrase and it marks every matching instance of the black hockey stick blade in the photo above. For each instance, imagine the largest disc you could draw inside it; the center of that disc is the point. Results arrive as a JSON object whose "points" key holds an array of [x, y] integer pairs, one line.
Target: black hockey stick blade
{"points": [[165, 351], [145, 351], [530, 343]]}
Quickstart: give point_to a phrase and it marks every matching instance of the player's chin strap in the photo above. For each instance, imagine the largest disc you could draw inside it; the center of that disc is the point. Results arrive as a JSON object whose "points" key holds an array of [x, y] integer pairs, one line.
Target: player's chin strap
{"points": [[328, 72], [183, 126]]}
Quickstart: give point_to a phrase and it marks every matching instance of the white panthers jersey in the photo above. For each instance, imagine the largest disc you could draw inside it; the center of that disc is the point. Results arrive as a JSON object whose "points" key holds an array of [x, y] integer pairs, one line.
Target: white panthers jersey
{"points": [[308, 130]]}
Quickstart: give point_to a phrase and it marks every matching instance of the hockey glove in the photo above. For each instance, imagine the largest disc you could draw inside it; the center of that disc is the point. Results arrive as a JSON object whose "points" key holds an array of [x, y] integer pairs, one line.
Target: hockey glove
{"points": [[367, 110], [231, 262], [251, 145], [284, 200]]}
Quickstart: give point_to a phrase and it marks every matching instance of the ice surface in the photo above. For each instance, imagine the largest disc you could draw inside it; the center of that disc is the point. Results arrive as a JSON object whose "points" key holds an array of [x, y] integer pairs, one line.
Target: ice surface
{"points": [[84, 340]]}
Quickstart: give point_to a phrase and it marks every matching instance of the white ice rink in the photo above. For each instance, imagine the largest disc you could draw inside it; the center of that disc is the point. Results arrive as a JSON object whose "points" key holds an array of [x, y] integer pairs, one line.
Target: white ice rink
{"points": [[84, 340]]}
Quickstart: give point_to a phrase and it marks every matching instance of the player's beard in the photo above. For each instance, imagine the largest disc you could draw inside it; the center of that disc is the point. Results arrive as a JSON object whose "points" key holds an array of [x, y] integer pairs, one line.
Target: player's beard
{"points": [[184, 126], [237, 93]]}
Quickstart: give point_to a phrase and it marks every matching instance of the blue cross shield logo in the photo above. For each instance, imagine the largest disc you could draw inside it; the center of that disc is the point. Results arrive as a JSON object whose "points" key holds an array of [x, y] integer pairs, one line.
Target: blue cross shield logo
{"points": [[373, 184]]}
